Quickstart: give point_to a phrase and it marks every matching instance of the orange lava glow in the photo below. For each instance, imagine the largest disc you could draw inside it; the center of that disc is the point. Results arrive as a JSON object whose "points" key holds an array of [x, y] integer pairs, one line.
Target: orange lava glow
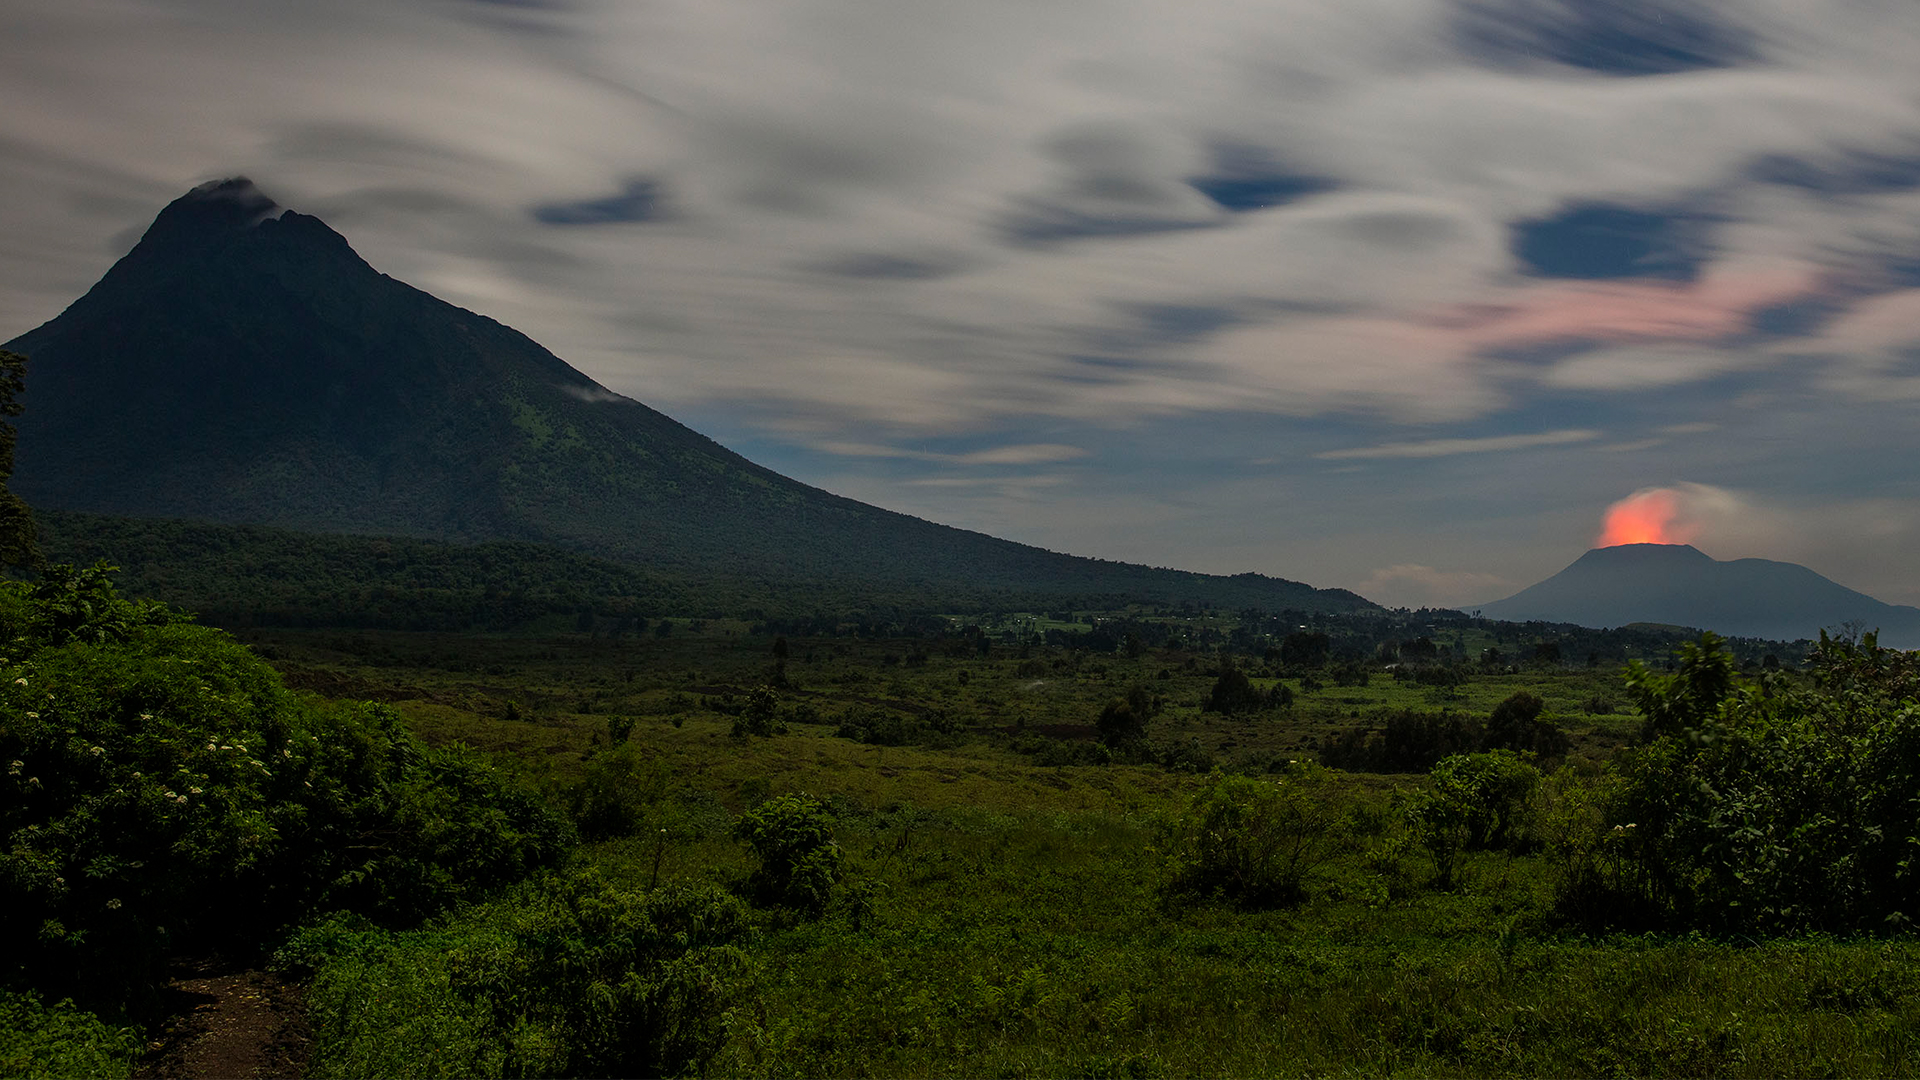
{"points": [[1645, 517]]}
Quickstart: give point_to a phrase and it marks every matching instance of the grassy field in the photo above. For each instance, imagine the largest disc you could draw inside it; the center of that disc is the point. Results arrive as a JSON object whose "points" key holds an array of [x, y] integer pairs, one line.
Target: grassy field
{"points": [[998, 915]]}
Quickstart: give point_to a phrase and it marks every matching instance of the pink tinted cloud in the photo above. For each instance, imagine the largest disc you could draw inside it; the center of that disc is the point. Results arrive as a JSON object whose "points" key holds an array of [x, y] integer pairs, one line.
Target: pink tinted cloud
{"points": [[1717, 307]]}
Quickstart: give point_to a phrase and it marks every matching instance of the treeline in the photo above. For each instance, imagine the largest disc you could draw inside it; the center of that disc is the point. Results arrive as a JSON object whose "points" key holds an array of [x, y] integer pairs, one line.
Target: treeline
{"points": [[237, 575]]}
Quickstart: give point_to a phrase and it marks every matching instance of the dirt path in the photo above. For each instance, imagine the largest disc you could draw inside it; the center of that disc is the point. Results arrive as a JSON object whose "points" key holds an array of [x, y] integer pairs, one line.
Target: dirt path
{"points": [[230, 1025]]}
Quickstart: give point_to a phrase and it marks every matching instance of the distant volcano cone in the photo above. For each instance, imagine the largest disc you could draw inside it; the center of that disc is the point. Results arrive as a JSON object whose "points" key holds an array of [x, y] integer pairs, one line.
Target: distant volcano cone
{"points": [[1679, 585]]}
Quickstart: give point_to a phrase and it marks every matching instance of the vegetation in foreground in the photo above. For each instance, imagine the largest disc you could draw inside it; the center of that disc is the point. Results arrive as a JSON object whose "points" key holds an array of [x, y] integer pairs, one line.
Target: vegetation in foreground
{"points": [[835, 855]]}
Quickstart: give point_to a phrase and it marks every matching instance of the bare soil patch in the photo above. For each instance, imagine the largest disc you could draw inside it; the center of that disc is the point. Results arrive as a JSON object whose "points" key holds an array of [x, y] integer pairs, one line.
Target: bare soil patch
{"points": [[230, 1024]]}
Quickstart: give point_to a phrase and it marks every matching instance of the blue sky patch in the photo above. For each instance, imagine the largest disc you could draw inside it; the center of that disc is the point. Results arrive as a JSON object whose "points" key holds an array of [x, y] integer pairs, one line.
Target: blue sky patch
{"points": [[1601, 240], [1257, 192], [1612, 37], [1795, 318], [640, 200]]}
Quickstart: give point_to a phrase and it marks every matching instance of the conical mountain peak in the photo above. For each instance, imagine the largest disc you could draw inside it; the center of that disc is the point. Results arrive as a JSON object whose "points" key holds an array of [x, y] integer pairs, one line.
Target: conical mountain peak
{"points": [[209, 215], [235, 202], [242, 364]]}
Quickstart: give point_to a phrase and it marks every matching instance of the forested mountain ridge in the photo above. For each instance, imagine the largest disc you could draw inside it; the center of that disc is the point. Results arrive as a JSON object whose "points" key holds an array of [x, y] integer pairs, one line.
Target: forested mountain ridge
{"points": [[242, 364]]}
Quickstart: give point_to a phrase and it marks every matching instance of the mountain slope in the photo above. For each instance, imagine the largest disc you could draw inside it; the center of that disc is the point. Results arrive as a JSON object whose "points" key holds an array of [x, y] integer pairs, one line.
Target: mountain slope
{"points": [[1681, 585], [242, 364]]}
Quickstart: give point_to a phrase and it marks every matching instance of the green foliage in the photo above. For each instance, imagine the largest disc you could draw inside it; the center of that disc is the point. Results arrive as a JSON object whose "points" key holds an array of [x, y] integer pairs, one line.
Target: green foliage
{"points": [[69, 604], [39, 1040], [1232, 691], [1516, 725], [1689, 700], [164, 791], [1761, 808], [1493, 790], [1402, 741], [1473, 802], [1255, 842], [567, 976], [799, 862], [616, 793], [879, 726], [1123, 721], [761, 714]]}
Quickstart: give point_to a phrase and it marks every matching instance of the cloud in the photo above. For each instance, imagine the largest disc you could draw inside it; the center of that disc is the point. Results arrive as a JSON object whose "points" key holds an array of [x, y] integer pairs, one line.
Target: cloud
{"points": [[1425, 228], [1030, 454], [1644, 368], [1022, 454], [1678, 514], [1431, 448]]}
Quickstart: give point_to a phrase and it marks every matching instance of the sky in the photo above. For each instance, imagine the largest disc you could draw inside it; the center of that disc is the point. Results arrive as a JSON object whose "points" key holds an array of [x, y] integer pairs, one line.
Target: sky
{"points": [[1393, 295]]}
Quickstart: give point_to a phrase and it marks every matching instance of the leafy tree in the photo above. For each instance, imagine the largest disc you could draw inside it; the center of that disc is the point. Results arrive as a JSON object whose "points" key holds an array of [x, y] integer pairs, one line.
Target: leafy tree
{"points": [[1419, 650], [1124, 720], [1305, 649], [1764, 807], [1516, 725], [1232, 691], [760, 715]]}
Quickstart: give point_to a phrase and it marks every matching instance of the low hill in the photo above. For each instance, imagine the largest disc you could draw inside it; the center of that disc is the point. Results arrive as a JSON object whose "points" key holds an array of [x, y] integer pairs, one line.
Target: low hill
{"points": [[1679, 585], [243, 365]]}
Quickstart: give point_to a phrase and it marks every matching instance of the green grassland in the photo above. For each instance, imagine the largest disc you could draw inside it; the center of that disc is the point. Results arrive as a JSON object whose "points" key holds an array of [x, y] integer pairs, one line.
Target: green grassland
{"points": [[1003, 917], [863, 847], [552, 695]]}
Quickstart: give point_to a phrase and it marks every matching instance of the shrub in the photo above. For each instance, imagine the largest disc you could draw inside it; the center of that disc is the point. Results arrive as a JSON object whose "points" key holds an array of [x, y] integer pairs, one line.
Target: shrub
{"points": [[1059, 753], [1255, 842], [799, 862], [1473, 802], [1232, 691], [564, 977], [39, 1040], [1188, 756], [615, 794], [164, 791], [882, 727]]}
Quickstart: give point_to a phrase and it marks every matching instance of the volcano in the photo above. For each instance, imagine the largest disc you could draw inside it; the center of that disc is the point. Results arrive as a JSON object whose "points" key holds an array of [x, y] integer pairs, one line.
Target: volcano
{"points": [[242, 364], [1680, 585]]}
